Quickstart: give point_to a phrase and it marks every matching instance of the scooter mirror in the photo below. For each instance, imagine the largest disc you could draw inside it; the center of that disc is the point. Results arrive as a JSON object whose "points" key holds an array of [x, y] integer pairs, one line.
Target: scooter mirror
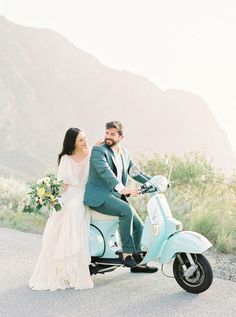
{"points": [[134, 171]]}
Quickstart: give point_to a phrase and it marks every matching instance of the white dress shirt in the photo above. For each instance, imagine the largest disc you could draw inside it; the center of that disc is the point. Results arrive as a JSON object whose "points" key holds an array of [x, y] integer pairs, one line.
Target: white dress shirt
{"points": [[119, 187]]}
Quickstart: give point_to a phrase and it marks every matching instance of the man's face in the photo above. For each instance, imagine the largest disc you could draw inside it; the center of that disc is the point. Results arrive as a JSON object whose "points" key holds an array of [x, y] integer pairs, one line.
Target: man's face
{"points": [[112, 137]]}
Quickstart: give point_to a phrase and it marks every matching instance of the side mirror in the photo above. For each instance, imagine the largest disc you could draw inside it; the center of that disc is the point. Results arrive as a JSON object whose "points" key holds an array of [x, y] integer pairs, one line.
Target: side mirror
{"points": [[134, 171], [168, 163]]}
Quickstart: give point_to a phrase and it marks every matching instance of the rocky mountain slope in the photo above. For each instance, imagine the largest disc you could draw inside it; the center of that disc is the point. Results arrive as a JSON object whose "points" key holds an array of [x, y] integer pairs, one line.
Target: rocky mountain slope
{"points": [[48, 85]]}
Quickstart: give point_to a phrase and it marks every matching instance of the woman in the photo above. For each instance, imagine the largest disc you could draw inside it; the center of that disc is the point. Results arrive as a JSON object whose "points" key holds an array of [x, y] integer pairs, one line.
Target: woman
{"points": [[64, 258]]}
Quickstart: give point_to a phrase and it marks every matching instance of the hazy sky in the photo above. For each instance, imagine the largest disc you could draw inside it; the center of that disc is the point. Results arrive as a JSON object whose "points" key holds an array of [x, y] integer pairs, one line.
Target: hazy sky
{"points": [[184, 44]]}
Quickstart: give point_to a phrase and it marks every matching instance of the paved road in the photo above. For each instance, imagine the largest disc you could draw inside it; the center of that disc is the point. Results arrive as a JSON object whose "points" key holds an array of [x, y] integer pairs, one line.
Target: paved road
{"points": [[119, 293]]}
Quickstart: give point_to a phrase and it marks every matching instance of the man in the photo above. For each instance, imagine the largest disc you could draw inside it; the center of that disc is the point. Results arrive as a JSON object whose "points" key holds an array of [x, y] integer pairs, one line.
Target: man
{"points": [[106, 192]]}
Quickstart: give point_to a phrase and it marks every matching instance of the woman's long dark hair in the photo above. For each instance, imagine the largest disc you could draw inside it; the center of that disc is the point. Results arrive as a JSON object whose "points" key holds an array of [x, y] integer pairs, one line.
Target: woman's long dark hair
{"points": [[69, 142]]}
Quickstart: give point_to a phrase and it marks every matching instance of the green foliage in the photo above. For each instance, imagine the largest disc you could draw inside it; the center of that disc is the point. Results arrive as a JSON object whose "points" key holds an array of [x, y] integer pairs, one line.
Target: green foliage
{"points": [[15, 208], [13, 195], [30, 222], [200, 196], [191, 169]]}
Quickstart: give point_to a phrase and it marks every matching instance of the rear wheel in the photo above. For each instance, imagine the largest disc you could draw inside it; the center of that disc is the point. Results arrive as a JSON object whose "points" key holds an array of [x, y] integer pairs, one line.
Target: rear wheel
{"points": [[197, 282]]}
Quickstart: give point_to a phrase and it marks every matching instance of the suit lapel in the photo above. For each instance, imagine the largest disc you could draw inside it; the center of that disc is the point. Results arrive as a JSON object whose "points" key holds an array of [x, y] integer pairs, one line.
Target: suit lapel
{"points": [[124, 174], [125, 165], [112, 155]]}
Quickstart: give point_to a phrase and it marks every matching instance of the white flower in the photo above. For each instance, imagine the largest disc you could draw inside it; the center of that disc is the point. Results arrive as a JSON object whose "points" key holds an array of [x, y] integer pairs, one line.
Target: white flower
{"points": [[40, 181]]}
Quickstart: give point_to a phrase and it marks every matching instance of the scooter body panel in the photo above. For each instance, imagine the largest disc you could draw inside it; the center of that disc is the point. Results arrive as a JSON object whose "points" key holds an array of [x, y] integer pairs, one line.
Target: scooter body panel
{"points": [[96, 242], [158, 227], [184, 241], [152, 240], [162, 236], [104, 239]]}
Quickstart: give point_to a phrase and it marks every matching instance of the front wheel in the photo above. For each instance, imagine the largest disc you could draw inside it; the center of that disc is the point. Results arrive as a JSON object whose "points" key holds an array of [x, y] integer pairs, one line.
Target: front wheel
{"points": [[202, 277]]}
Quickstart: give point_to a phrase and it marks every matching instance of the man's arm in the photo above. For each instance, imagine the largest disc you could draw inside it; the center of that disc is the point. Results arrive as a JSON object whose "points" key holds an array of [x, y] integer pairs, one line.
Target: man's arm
{"points": [[99, 162], [142, 177]]}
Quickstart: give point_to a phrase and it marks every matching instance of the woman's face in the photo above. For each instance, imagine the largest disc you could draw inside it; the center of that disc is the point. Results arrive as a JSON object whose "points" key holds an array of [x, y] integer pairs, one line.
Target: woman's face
{"points": [[81, 141]]}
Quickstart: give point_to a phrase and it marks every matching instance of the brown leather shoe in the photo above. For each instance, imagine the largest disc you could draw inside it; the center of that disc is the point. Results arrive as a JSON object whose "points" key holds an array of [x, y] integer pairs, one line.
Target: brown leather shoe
{"points": [[144, 269]]}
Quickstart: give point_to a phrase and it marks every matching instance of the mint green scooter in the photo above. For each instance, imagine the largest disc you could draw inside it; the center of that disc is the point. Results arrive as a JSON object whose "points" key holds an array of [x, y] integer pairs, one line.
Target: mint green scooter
{"points": [[163, 240]]}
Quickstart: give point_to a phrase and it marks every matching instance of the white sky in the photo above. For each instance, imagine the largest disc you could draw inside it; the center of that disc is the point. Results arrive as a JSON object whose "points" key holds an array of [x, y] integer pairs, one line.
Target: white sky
{"points": [[184, 44]]}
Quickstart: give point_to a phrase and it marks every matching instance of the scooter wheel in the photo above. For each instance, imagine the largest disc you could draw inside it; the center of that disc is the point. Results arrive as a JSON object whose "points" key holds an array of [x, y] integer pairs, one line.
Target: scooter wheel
{"points": [[200, 280]]}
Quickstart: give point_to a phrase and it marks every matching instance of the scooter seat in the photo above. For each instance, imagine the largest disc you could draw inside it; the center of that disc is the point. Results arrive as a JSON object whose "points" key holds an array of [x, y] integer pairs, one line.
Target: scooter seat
{"points": [[102, 217]]}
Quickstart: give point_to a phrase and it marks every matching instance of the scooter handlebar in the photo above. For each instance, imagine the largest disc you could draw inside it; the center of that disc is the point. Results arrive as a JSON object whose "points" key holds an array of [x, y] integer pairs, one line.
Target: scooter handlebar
{"points": [[146, 188], [143, 190]]}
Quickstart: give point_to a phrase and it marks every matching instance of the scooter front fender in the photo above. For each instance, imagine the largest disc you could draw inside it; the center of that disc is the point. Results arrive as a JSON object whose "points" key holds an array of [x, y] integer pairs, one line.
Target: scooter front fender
{"points": [[184, 241]]}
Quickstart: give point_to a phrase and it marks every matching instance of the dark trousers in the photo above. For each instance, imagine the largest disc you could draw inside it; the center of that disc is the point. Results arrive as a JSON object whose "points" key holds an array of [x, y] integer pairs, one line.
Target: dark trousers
{"points": [[130, 225]]}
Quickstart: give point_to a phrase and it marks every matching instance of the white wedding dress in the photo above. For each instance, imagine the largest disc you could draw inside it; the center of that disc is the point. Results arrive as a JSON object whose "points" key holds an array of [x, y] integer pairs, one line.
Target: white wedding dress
{"points": [[64, 258]]}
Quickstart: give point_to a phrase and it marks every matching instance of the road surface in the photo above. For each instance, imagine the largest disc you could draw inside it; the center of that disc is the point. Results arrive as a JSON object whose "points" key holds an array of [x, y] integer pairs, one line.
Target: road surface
{"points": [[119, 293]]}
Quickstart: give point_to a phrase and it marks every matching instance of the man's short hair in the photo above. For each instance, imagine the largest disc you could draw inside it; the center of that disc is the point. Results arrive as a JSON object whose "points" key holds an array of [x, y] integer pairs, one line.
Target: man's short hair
{"points": [[115, 124]]}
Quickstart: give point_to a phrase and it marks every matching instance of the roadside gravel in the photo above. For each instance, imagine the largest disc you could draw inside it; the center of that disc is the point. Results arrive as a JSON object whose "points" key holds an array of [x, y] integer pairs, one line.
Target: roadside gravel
{"points": [[223, 265]]}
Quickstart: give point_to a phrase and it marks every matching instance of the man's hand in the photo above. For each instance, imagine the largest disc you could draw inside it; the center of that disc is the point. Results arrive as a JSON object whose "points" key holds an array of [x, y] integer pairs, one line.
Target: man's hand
{"points": [[99, 142], [129, 191]]}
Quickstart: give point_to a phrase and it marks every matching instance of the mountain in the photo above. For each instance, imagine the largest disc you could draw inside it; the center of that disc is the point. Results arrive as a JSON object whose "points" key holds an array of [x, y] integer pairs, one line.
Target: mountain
{"points": [[48, 85]]}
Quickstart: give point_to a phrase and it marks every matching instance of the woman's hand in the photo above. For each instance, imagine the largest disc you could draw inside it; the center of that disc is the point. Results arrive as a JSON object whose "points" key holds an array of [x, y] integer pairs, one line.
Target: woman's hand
{"points": [[64, 188]]}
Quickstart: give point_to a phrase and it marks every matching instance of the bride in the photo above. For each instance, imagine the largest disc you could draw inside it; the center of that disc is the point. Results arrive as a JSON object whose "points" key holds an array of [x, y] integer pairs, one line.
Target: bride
{"points": [[64, 258]]}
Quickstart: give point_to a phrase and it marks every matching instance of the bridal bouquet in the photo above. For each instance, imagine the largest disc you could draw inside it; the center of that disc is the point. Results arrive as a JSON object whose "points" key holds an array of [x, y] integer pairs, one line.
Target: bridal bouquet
{"points": [[46, 193]]}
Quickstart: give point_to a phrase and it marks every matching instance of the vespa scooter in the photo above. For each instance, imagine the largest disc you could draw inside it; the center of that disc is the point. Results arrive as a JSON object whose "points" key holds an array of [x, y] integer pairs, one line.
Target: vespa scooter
{"points": [[163, 240]]}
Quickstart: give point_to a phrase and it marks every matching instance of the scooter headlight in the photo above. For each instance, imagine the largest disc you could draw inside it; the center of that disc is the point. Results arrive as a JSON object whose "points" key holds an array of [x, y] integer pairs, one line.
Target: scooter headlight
{"points": [[160, 182]]}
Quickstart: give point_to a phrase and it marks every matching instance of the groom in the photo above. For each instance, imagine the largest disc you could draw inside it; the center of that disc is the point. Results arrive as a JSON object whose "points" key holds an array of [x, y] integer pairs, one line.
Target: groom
{"points": [[106, 193]]}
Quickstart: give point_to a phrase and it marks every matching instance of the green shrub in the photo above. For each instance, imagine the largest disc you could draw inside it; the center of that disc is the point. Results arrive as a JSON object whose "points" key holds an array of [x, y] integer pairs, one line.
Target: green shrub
{"points": [[33, 222], [200, 197], [13, 195], [15, 209]]}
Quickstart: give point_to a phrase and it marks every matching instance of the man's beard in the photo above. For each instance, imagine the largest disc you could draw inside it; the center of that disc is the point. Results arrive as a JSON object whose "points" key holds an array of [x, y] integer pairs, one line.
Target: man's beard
{"points": [[111, 143]]}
